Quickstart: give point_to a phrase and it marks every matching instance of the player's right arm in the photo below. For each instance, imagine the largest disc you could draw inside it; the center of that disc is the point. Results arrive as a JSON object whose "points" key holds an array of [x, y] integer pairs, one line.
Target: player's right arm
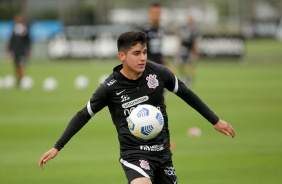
{"points": [[10, 45], [95, 104], [75, 124]]}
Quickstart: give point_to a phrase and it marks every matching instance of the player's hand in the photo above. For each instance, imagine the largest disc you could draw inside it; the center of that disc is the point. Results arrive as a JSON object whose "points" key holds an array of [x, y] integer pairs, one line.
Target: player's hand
{"points": [[224, 128], [47, 156]]}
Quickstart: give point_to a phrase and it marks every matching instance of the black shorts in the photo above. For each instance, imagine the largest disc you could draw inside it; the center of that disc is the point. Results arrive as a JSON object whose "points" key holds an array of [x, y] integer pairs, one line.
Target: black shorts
{"points": [[20, 60], [159, 169]]}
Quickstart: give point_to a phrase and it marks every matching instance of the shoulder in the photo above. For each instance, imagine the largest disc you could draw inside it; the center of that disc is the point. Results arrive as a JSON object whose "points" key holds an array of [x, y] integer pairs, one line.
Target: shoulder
{"points": [[156, 67], [152, 65], [113, 80], [155, 70], [109, 81], [105, 87]]}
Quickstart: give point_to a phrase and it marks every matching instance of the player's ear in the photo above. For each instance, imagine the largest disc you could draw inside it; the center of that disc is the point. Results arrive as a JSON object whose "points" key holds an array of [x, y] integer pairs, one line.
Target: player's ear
{"points": [[121, 56]]}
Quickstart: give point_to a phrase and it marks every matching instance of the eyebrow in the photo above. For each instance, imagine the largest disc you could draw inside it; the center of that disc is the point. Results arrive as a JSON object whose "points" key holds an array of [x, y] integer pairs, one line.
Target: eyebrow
{"points": [[138, 51]]}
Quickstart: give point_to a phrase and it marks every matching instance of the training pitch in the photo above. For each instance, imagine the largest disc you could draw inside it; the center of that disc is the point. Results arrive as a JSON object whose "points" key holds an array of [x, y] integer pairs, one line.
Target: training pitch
{"points": [[246, 93]]}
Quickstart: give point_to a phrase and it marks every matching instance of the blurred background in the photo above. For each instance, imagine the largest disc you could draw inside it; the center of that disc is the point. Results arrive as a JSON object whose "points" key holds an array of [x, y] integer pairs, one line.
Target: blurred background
{"points": [[56, 25], [73, 49]]}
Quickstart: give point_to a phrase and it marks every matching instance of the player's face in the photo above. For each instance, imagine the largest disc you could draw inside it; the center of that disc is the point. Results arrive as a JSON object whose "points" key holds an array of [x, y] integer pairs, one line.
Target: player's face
{"points": [[190, 20], [134, 60]]}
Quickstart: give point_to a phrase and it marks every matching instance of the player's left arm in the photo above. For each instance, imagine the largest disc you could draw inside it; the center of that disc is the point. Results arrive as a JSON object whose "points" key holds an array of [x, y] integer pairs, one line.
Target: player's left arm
{"points": [[11, 44], [28, 44], [196, 37], [176, 86], [195, 49], [195, 102]]}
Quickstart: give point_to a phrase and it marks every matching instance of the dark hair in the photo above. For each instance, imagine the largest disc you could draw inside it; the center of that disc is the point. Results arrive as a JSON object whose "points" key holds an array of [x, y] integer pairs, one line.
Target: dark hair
{"points": [[155, 5], [128, 39]]}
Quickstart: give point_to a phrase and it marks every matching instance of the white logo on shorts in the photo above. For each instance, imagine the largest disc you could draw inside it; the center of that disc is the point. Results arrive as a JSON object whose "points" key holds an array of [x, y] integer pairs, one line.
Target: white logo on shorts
{"points": [[169, 171]]}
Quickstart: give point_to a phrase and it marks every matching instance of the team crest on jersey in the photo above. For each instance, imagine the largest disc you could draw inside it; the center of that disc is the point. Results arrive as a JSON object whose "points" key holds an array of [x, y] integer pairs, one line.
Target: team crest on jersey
{"points": [[152, 81], [144, 164]]}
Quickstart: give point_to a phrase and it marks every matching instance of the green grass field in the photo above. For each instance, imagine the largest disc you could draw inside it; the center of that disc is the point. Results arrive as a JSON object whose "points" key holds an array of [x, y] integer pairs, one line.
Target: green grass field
{"points": [[246, 93]]}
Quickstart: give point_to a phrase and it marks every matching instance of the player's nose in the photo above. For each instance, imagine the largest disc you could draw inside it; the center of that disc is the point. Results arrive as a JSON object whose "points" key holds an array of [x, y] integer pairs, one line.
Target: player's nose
{"points": [[143, 57]]}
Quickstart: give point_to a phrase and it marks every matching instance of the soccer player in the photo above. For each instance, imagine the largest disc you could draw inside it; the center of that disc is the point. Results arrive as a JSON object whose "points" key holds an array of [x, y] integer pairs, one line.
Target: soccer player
{"points": [[135, 82], [155, 35], [189, 37], [19, 46]]}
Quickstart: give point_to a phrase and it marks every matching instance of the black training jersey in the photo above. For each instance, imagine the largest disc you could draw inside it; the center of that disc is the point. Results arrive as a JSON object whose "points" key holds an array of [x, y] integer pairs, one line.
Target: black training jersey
{"points": [[19, 43], [154, 43], [122, 95], [188, 35]]}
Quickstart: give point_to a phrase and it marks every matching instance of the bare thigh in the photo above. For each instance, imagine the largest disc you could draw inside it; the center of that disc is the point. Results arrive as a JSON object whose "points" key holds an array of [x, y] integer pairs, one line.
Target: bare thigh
{"points": [[142, 180]]}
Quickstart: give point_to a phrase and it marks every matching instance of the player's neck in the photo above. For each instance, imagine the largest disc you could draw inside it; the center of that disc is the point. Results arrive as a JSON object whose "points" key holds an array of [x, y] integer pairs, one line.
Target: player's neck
{"points": [[130, 75], [154, 25]]}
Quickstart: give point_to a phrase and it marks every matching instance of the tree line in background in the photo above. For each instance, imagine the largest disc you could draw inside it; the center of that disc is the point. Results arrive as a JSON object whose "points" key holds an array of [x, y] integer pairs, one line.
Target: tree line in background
{"points": [[79, 12]]}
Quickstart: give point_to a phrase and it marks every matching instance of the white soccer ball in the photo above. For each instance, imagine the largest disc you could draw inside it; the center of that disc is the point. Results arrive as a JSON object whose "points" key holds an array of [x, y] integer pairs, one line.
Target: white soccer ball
{"points": [[81, 82], [145, 122], [9, 82], [1, 83], [26, 83], [50, 84]]}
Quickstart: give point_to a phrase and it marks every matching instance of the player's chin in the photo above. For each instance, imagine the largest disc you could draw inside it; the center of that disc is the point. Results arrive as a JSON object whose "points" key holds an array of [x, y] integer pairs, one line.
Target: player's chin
{"points": [[140, 68]]}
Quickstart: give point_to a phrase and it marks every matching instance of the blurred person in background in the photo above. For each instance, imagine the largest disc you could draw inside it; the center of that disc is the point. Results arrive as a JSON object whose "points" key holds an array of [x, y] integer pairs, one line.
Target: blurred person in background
{"points": [[19, 46], [188, 53], [155, 35]]}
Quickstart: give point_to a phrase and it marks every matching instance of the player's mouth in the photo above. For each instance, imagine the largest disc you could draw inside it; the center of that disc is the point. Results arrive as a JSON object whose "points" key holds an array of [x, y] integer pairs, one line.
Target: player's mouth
{"points": [[142, 65]]}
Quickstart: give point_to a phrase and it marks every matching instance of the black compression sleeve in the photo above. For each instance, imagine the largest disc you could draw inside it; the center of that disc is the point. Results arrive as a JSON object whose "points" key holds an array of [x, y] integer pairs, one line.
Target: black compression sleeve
{"points": [[76, 123], [195, 102]]}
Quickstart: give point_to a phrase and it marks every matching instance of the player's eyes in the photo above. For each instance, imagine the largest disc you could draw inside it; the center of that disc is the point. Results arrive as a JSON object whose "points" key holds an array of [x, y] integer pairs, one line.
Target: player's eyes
{"points": [[136, 53]]}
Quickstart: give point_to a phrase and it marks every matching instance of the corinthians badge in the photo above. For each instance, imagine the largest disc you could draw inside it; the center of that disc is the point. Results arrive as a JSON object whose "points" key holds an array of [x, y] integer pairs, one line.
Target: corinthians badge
{"points": [[152, 81], [144, 164]]}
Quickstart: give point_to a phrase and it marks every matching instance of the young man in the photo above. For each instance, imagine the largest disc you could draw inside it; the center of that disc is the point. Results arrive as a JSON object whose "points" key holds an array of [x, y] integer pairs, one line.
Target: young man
{"points": [[155, 36], [189, 37], [135, 82], [19, 46]]}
